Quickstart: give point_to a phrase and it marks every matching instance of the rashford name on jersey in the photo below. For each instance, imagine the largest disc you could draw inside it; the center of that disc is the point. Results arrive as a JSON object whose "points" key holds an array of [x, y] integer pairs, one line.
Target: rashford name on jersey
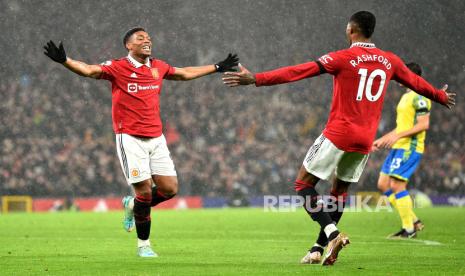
{"points": [[365, 58]]}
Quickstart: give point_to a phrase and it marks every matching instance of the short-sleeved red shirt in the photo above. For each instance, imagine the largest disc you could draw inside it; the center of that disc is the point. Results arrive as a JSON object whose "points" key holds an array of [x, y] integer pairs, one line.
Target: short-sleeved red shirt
{"points": [[136, 89]]}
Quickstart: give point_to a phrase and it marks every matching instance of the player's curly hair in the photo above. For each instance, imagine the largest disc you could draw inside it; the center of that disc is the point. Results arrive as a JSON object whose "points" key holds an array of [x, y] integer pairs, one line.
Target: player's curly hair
{"points": [[366, 21], [130, 33]]}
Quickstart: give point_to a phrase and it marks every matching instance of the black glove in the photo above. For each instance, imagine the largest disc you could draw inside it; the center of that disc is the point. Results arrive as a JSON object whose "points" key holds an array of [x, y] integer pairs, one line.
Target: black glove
{"points": [[227, 64], [57, 54]]}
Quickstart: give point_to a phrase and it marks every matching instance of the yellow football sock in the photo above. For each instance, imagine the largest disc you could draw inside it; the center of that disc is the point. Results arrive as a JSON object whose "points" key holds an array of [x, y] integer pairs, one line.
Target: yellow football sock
{"points": [[392, 200], [414, 216], [404, 206], [391, 197]]}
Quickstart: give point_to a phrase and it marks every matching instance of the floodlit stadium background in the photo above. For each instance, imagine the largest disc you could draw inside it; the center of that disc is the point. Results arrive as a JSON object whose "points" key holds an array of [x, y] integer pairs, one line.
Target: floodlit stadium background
{"points": [[56, 137]]}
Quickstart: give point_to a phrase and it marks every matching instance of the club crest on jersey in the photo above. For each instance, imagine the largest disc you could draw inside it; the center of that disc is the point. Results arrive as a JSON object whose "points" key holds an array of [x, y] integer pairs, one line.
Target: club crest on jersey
{"points": [[135, 173], [154, 73], [132, 87]]}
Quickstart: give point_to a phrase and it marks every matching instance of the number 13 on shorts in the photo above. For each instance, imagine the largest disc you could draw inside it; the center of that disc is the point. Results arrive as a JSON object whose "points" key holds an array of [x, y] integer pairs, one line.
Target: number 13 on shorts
{"points": [[395, 164]]}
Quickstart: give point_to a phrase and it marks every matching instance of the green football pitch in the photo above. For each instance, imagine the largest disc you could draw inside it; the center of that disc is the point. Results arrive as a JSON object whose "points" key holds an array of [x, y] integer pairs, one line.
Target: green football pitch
{"points": [[226, 242]]}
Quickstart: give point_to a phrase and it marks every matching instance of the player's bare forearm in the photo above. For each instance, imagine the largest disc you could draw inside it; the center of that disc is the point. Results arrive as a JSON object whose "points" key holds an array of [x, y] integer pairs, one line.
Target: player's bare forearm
{"points": [[390, 133], [83, 69], [58, 55], [389, 139], [421, 125], [190, 73]]}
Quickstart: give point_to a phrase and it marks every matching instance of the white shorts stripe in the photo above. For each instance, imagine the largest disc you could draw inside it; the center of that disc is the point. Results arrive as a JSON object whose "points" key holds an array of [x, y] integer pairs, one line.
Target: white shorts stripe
{"points": [[314, 148], [123, 157]]}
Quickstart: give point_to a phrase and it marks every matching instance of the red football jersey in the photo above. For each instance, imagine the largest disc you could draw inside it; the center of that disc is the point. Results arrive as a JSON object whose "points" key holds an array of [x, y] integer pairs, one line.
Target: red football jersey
{"points": [[361, 76], [136, 90]]}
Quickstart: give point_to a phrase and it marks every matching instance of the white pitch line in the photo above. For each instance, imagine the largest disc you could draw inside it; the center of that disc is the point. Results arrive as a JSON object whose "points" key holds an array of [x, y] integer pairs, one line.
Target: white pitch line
{"points": [[426, 242], [414, 240]]}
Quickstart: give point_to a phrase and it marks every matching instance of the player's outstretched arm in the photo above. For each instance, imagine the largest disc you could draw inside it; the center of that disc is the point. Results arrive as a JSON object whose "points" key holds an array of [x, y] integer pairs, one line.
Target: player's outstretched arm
{"points": [[422, 87], [58, 55], [190, 73], [278, 76]]}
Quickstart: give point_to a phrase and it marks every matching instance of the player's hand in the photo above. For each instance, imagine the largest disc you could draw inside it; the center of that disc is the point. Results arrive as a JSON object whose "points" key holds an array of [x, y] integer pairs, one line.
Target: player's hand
{"points": [[374, 147], [385, 142], [57, 54], [227, 64], [450, 97], [243, 77]]}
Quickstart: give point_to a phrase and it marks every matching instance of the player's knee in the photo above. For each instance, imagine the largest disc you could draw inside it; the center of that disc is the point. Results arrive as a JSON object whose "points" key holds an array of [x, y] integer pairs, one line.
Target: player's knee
{"points": [[172, 189], [144, 193], [383, 184], [340, 186], [398, 185], [143, 189]]}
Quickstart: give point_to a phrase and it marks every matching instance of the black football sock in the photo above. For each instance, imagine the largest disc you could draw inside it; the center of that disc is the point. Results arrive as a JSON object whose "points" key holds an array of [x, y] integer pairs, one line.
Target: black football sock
{"points": [[158, 197], [313, 203], [142, 216], [318, 248], [322, 239], [340, 201]]}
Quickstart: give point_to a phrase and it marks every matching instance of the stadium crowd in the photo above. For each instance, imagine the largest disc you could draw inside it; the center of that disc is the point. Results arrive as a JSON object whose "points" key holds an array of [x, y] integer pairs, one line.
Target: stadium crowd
{"points": [[57, 140]]}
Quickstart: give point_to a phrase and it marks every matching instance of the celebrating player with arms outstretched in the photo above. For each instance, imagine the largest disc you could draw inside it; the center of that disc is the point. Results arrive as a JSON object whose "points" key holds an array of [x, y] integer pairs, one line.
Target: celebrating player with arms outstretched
{"points": [[407, 143], [361, 75], [136, 87]]}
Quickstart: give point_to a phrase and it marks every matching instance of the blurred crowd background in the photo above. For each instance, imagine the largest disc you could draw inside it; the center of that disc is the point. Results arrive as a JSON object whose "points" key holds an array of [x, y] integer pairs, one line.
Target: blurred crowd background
{"points": [[56, 137]]}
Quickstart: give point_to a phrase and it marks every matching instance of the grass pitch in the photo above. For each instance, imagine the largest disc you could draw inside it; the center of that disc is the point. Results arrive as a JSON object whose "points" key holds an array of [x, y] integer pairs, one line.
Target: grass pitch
{"points": [[226, 242]]}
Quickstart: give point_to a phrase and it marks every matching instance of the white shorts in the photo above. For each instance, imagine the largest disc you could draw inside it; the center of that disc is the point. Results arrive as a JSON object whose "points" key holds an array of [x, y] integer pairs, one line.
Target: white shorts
{"points": [[141, 158], [323, 158]]}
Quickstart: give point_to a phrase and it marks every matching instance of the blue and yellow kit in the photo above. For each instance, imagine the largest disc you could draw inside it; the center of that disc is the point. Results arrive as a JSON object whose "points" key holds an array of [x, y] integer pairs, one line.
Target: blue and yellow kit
{"points": [[406, 153]]}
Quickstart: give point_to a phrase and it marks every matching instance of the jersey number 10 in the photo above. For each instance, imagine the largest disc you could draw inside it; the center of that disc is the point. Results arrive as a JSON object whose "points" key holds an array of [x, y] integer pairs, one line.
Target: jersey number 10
{"points": [[365, 85]]}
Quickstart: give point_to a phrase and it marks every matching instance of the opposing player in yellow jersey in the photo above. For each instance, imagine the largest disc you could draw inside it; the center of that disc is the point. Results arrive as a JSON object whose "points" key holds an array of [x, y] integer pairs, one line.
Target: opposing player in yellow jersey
{"points": [[407, 143]]}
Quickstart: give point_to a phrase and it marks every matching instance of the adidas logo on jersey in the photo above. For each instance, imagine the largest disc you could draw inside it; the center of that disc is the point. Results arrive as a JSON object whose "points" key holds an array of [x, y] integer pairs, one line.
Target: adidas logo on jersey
{"points": [[133, 75]]}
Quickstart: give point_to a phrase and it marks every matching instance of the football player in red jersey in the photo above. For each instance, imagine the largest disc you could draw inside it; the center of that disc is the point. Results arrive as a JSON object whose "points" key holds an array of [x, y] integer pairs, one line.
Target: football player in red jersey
{"points": [[361, 75], [136, 87]]}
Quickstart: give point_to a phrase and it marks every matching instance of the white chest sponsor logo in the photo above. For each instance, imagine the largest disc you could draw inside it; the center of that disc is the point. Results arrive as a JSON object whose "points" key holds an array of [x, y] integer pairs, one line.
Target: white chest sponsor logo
{"points": [[134, 87]]}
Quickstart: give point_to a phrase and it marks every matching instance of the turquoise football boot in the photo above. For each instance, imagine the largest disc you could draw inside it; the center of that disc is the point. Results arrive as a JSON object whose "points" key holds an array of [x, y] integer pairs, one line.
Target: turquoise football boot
{"points": [[128, 221], [146, 252]]}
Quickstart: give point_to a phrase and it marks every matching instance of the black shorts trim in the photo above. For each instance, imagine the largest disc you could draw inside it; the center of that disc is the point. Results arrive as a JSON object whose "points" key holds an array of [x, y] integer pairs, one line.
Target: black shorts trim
{"points": [[123, 157]]}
